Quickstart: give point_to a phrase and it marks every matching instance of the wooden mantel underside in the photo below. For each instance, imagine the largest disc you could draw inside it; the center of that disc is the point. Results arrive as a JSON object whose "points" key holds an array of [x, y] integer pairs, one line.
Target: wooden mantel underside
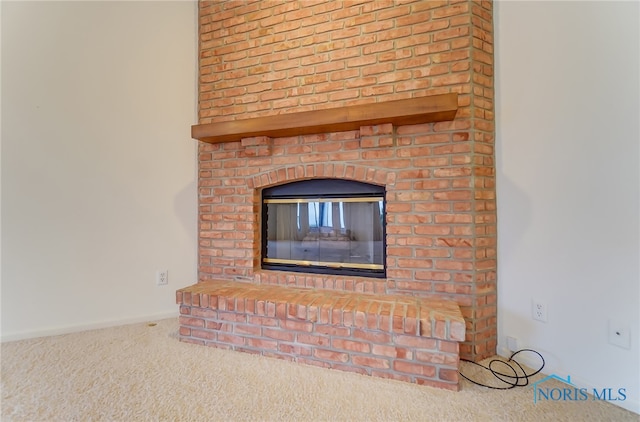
{"points": [[412, 111]]}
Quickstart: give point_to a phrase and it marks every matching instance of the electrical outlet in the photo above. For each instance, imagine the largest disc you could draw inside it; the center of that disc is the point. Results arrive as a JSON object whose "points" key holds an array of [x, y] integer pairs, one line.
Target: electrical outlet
{"points": [[539, 311], [619, 334], [162, 277]]}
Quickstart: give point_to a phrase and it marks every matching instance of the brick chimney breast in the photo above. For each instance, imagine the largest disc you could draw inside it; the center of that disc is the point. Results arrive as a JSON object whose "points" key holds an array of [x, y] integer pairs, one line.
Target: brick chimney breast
{"points": [[260, 59]]}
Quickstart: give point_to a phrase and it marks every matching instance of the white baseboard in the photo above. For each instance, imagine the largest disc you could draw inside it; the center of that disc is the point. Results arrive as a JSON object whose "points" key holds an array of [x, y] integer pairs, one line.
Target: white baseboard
{"points": [[4, 337], [531, 360]]}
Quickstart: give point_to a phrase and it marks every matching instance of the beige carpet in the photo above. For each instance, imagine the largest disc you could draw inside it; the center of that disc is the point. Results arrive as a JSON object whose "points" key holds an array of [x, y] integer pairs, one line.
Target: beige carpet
{"points": [[143, 373]]}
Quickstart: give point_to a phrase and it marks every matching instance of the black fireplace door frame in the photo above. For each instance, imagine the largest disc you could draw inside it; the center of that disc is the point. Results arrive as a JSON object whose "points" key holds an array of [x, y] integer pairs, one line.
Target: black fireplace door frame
{"points": [[323, 189]]}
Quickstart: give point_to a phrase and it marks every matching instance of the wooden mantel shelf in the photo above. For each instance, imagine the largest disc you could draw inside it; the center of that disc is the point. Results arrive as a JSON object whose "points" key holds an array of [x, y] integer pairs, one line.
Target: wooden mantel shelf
{"points": [[434, 108]]}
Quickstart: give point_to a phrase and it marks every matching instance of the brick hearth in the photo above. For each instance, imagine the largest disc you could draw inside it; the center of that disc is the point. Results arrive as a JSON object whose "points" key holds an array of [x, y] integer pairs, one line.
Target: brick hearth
{"points": [[400, 337], [260, 59]]}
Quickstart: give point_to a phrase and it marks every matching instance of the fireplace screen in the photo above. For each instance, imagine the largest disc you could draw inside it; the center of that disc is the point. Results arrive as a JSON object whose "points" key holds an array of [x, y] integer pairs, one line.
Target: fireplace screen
{"points": [[328, 226]]}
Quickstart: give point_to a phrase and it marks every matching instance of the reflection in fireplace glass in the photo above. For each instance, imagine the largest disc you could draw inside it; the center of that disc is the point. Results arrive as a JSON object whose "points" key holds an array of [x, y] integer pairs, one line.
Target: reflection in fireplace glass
{"points": [[335, 230]]}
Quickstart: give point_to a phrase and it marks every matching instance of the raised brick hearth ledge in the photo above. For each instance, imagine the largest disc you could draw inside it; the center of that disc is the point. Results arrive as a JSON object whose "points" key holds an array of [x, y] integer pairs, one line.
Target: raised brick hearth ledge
{"points": [[407, 338]]}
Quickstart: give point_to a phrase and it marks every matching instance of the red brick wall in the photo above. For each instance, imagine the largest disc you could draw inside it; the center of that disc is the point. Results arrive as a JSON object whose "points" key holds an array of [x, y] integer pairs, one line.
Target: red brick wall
{"points": [[272, 57]]}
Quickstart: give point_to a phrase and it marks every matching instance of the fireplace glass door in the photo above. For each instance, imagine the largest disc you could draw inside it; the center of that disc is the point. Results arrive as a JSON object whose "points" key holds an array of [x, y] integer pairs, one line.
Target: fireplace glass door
{"points": [[328, 226]]}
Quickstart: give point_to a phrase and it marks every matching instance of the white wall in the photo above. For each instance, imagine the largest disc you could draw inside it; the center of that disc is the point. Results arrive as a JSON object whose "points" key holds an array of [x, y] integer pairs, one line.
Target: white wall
{"points": [[567, 116], [98, 168]]}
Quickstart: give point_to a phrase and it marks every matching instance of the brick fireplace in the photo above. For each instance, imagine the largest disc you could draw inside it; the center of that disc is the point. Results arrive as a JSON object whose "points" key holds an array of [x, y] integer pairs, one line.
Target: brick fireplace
{"points": [[289, 58]]}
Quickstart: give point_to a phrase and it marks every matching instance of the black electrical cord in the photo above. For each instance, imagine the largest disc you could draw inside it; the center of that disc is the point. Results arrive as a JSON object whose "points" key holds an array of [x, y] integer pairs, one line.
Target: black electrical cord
{"points": [[516, 380]]}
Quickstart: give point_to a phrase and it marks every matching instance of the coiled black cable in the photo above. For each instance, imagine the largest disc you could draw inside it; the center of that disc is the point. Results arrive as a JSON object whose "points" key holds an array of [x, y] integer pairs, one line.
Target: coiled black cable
{"points": [[516, 380]]}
